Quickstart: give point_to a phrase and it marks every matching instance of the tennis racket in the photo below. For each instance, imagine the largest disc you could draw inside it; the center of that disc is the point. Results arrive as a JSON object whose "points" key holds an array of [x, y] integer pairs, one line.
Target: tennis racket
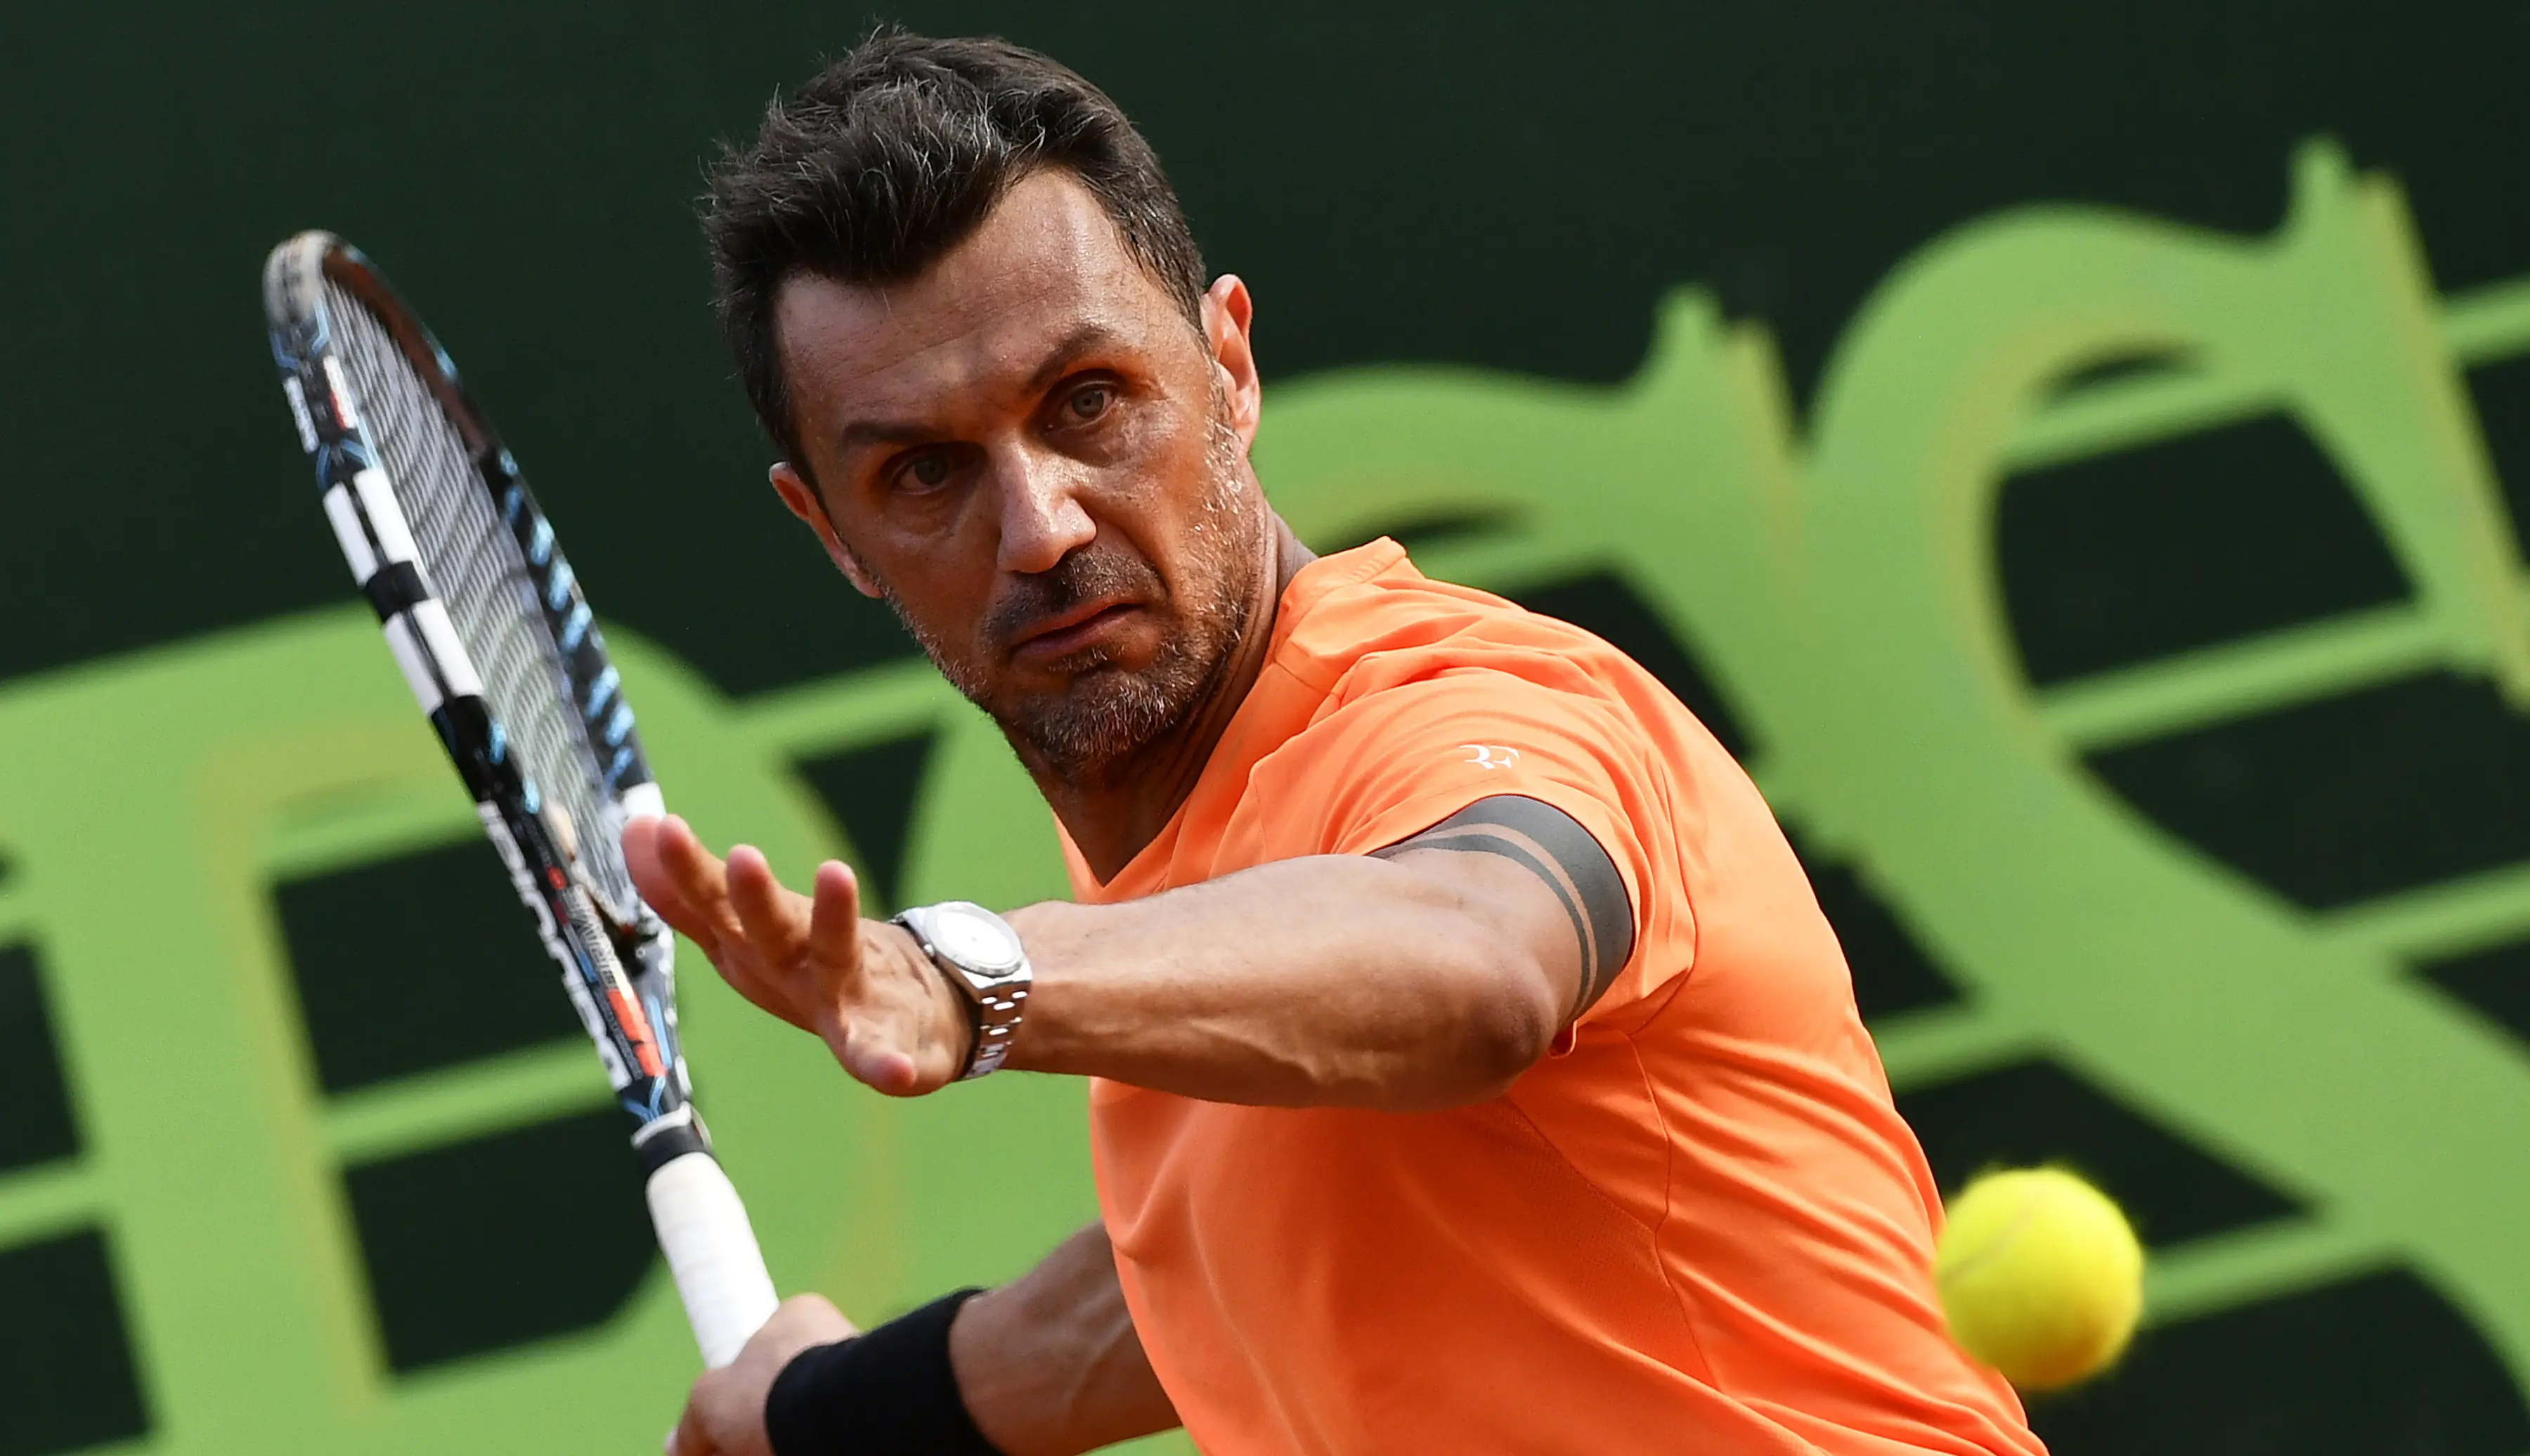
{"points": [[493, 633]]}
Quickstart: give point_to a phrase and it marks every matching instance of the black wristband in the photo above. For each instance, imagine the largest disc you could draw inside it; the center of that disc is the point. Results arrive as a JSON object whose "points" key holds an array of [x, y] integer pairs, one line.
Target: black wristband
{"points": [[887, 1392]]}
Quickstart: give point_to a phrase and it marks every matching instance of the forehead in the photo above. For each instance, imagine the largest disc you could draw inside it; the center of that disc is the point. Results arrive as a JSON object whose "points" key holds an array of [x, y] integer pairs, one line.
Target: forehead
{"points": [[1046, 267]]}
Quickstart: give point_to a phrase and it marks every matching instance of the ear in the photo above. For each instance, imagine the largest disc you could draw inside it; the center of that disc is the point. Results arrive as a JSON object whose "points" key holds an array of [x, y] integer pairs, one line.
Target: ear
{"points": [[805, 502], [1228, 316]]}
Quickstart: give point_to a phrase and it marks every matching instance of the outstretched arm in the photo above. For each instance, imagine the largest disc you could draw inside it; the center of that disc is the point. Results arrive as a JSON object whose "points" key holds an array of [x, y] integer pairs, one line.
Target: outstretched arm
{"points": [[1428, 975]]}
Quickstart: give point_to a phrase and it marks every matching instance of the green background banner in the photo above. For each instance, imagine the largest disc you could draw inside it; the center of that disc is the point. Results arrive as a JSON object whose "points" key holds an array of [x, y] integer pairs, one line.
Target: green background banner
{"points": [[2075, 459]]}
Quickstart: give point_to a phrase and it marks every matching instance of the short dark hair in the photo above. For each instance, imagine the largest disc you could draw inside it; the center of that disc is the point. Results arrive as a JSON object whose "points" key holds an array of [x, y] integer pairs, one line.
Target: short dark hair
{"points": [[894, 155]]}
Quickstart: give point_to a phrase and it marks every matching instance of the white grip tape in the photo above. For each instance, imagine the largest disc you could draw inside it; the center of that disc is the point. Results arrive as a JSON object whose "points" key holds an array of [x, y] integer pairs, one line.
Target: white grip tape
{"points": [[711, 1252]]}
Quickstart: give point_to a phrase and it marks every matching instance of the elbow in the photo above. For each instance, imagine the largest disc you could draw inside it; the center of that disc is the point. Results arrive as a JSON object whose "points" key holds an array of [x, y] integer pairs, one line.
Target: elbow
{"points": [[1502, 1025], [1506, 1041]]}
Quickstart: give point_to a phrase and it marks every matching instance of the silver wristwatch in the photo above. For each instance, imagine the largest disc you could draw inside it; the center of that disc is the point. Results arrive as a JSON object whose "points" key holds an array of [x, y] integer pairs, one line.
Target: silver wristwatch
{"points": [[983, 960]]}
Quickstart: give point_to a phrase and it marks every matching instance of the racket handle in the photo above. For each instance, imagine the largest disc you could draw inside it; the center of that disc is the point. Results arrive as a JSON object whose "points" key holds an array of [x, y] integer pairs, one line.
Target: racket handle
{"points": [[711, 1253]]}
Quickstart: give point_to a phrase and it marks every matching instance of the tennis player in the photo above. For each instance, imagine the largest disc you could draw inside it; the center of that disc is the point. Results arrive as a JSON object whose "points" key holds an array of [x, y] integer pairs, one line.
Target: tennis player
{"points": [[1471, 1067]]}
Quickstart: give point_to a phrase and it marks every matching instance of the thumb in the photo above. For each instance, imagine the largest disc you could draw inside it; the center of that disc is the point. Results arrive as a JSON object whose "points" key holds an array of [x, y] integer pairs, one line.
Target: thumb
{"points": [[689, 1439], [879, 1057]]}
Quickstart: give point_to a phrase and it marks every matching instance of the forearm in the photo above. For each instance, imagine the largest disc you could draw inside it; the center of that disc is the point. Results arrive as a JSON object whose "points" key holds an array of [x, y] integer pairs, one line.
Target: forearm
{"points": [[1330, 979], [1050, 1364]]}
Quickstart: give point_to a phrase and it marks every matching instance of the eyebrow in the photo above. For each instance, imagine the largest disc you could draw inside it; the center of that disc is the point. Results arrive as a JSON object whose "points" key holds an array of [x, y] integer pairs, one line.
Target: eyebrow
{"points": [[1081, 341]]}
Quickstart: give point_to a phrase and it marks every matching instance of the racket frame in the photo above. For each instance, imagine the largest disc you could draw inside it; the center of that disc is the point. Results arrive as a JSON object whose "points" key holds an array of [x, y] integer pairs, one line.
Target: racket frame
{"points": [[617, 960]]}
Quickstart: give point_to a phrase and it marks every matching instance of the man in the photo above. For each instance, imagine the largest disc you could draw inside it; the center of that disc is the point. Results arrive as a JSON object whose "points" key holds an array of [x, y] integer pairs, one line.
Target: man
{"points": [[1473, 1068]]}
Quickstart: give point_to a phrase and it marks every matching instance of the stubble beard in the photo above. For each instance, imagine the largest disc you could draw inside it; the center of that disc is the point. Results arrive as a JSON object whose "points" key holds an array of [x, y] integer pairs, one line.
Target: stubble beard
{"points": [[1108, 713]]}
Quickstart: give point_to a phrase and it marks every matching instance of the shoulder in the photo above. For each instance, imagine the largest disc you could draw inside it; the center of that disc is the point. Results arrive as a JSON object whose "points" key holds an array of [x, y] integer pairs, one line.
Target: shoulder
{"points": [[1377, 623], [1410, 692], [1425, 695]]}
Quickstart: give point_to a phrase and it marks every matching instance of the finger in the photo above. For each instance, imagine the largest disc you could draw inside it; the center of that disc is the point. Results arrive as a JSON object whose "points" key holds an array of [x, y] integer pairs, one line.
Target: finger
{"points": [[650, 876], [689, 1438], [834, 917], [764, 928], [700, 880], [768, 912]]}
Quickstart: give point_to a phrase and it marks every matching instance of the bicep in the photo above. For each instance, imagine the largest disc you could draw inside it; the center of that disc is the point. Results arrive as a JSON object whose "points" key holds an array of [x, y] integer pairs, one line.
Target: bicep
{"points": [[1544, 878]]}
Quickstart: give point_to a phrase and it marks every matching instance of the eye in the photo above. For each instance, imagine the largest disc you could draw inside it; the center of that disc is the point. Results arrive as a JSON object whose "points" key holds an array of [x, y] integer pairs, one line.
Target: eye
{"points": [[926, 470], [1088, 403]]}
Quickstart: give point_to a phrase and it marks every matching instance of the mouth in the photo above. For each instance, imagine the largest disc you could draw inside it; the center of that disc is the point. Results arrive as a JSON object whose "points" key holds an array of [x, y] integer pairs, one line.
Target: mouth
{"points": [[1066, 632]]}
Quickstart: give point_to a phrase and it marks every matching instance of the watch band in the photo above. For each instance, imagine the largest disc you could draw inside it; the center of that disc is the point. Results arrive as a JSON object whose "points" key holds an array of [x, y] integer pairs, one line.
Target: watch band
{"points": [[983, 961]]}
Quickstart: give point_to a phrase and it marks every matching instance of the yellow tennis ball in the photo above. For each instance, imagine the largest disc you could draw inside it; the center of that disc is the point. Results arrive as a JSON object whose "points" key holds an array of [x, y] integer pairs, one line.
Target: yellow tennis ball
{"points": [[2040, 1276]]}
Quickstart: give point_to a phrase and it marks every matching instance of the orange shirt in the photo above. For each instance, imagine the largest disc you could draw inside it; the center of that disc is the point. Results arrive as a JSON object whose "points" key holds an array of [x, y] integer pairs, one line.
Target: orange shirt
{"points": [[1699, 1226]]}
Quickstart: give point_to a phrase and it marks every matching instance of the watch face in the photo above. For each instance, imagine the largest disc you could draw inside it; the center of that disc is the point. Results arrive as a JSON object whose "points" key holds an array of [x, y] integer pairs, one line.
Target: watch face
{"points": [[975, 940]]}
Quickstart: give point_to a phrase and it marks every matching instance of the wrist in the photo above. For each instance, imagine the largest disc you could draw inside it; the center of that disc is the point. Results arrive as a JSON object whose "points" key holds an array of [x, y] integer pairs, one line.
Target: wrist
{"points": [[1051, 932], [981, 958], [892, 1391]]}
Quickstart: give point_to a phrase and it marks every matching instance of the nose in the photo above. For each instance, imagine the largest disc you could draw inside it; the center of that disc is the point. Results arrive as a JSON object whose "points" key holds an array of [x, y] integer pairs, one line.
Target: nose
{"points": [[1043, 518]]}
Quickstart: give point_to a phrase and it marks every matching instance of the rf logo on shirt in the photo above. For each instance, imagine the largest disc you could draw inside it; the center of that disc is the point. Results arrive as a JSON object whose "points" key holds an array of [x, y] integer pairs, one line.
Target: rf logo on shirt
{"points": [[1491, 755]]}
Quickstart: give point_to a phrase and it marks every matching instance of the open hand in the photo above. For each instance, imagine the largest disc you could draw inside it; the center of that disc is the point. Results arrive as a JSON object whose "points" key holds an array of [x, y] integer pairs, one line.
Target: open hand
{"points": [[864, 986]]}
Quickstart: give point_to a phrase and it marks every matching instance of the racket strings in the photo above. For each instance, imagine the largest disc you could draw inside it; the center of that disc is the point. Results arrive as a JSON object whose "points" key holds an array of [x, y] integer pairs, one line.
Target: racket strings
{"points": [[472, 563]]}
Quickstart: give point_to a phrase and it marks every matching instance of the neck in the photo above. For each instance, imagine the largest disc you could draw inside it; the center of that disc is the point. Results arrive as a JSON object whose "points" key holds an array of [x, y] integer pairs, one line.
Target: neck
{"points": [[1114, 815]]}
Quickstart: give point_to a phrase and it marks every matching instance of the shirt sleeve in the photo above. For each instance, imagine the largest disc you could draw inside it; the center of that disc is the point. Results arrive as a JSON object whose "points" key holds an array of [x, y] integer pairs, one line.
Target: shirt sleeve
{"points": [[1387, 765]]}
